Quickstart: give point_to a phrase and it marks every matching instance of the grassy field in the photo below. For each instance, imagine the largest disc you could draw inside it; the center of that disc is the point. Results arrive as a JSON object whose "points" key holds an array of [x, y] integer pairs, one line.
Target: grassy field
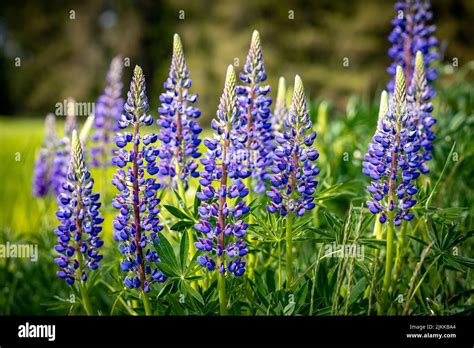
{"points": [[325, 285]]}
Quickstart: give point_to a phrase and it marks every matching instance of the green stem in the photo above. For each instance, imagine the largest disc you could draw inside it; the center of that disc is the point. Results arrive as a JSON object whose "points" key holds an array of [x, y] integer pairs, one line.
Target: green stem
{"points": [[222, 299], [399, 255], [146, 304], [85, 299], [378, 228], [289, 249], [279, 265], [388, 264]]}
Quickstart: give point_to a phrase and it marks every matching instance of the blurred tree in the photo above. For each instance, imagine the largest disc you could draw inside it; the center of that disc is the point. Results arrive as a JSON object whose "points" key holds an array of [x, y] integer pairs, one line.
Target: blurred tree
{"points": [[338, 47]]}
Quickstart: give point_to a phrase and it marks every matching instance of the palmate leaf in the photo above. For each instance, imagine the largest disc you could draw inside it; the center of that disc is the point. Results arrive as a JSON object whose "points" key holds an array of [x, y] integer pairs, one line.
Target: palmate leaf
{"points": [[334, 191]]}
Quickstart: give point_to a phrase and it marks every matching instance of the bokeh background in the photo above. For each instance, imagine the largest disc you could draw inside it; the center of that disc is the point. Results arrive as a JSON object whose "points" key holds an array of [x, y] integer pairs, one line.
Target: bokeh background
{"points": [[66, 53]]}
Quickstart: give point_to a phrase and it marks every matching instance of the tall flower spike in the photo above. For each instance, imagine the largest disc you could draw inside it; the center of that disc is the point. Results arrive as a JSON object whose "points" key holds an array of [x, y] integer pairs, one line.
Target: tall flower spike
{"points": [[63, 149], [179, 129], [411, 33], [294, 168], [80, 220], [419, 97], [107, 113], [281, 111], [42, 175], [221, 221], [255, 118], [392, 160], [137, 223]]}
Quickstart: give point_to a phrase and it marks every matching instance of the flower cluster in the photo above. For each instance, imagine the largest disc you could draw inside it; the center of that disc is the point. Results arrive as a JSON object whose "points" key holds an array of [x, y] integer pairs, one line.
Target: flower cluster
{"points": [[179, 129], [294, 168], [137, 223], [63, 148], [42, 175], [79, 217], [222, 224], [419, 98], [411, 33], [392, 160], [255, 123], [107, 113]]}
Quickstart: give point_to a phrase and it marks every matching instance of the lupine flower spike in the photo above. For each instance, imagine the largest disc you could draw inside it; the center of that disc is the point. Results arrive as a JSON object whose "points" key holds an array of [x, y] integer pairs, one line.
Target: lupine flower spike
{"points": [[281, 112], [137, 223], [222, 246], [419, 97], [63, 150], [294, 169], [255, 119], [179, 129], [392, 160], [80, 220], [392, 164], [107, 114], [383, 111], [411, 33], [42, 175]]}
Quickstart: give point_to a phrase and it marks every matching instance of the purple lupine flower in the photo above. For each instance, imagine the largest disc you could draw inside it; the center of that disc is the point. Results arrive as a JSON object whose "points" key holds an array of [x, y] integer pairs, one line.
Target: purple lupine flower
{"points": [[411, 33], [419, 97], [137, 223], [221, 224], [294, 165], [179, 129], [392, 160], [255, 123], [281, 111], [63, 149], [79, 217], [42, 175], [108, 109]]}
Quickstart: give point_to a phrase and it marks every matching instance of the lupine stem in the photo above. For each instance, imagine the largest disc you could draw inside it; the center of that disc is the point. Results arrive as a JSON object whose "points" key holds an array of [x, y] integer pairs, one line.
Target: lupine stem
{"points": [[279, 265], [398, 257], [136, 208], [378, 229], [85, 298], [146, 304], [388, 264], [222, 298], [289, 249], [221, 218]]}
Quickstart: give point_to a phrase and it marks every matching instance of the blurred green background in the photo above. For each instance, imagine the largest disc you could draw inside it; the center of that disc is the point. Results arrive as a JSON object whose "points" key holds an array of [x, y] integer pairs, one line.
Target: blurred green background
{"points": [[65, 46]]}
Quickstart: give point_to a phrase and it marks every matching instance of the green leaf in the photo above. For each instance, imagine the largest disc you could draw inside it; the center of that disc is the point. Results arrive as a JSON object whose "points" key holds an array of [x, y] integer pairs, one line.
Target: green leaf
{"points": [[289, 308], [193, 292], [177, 212], [197, 202], [166, 254], [181, 226], [183, 250], [465, 261]]}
